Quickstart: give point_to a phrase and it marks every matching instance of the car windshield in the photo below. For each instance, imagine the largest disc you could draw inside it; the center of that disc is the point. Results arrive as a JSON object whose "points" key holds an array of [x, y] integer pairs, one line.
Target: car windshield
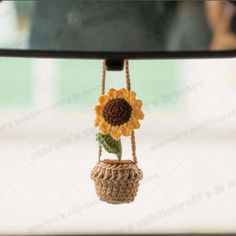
{"points": [[185, 147]]}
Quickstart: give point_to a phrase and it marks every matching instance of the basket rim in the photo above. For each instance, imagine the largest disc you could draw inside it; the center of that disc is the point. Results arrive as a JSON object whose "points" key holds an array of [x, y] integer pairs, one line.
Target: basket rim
{"points": [[115, 162]]}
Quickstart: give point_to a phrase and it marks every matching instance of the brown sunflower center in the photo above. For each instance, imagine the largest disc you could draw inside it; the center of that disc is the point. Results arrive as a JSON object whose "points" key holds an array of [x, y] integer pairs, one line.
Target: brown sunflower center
{"points": [[117, 111]]}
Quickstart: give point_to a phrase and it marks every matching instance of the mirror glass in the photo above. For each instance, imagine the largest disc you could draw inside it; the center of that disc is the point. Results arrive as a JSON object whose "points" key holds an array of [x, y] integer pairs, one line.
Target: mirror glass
{"points": [[118, 26]]}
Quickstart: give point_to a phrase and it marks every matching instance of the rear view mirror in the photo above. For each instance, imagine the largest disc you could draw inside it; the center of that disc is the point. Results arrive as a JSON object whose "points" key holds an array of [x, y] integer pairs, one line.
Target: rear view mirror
{"points": [[118, 29]]}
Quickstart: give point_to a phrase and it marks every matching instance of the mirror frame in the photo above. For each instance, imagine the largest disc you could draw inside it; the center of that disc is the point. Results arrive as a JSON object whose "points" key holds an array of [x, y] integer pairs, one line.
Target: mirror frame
{"points": [[117, 55]]}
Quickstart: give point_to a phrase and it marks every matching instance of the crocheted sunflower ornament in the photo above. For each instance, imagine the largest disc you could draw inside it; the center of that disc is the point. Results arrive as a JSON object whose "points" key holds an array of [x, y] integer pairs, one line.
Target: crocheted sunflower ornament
{"points": [[117, 114]]}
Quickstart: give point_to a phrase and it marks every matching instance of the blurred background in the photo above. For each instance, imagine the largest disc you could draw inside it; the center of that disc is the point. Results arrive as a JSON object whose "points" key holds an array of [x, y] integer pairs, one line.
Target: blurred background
{"points": [[186, 147], [156, 26]]}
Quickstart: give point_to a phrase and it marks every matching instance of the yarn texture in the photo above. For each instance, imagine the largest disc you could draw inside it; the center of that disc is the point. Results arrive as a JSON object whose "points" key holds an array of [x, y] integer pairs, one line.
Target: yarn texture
{"points": [[116, 181], [117, 111], [110, 145], [117, 114]]}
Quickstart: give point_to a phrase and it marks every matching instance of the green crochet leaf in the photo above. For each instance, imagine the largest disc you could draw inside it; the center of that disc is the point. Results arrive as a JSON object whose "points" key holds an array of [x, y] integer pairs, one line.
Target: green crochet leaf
{"points": [[110, 145]]}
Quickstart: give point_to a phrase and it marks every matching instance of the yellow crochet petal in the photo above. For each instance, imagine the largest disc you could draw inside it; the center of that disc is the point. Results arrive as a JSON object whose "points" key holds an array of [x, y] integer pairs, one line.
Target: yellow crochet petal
{"points": [[138, 114], [109, 128], [126, 130], [113, 93], [102, 132], [137, 104], [132, 96], [99, 110], [116, 133], [103, 99], [123, 93], [122, 128], [97, 121], [135, 123], [104, 128]]}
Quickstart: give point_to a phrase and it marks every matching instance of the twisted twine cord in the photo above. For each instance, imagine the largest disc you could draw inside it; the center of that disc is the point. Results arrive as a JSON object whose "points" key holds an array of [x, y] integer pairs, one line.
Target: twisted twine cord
{"points": [[132, 137], [103, 77], [102, 92], [133, 145], [128, 85], [127, 75]]}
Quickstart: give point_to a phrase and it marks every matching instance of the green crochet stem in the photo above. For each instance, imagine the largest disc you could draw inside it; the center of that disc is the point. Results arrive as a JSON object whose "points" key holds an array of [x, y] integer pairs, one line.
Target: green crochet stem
{"points": [[110, 145]]}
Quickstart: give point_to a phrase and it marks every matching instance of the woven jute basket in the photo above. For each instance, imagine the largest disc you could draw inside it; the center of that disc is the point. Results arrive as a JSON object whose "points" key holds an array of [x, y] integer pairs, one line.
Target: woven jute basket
{"points": [[116, 181]]}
